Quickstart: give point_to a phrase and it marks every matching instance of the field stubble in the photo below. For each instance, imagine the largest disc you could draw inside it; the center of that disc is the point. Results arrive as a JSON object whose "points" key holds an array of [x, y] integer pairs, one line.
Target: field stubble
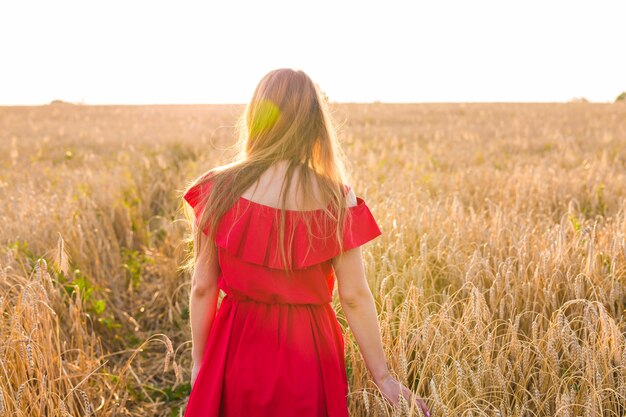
{"points": [[500, 277]]}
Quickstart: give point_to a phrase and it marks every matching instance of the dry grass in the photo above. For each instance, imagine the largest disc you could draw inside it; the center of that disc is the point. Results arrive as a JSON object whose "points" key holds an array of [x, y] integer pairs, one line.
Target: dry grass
{"points": [[500, 276]]}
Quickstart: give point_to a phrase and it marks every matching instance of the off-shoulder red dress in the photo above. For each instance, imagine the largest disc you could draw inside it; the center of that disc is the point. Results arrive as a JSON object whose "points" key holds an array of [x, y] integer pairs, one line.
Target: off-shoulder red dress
{"points": [[275, 347]]}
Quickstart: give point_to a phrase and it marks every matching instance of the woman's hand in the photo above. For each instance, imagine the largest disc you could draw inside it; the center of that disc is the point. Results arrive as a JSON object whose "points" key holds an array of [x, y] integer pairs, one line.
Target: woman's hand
{"points": [[194, 373], [390, 387]]}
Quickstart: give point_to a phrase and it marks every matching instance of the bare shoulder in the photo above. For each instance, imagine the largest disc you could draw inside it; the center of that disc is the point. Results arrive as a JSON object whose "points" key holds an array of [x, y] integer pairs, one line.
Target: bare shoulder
{"points": [[351, 197], [221, 168], [216, 170]]}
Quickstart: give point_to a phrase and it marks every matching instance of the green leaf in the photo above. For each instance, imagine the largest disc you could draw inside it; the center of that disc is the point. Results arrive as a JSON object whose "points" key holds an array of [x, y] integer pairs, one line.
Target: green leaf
{"points": [[99, 306]]}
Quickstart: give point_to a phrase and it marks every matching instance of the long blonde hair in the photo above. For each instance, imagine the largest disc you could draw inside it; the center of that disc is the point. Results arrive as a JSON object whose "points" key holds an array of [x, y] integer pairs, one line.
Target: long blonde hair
{"points": [[287, 119]]}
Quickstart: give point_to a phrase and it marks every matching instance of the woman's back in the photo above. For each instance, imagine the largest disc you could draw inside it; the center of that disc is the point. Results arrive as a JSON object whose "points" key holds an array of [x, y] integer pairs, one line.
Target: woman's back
{"points": [[276, 347], [267, 189]]}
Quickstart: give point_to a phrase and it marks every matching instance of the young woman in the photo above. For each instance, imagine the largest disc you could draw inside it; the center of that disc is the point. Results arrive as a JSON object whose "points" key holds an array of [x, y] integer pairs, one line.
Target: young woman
{"points": [[272, 230]]}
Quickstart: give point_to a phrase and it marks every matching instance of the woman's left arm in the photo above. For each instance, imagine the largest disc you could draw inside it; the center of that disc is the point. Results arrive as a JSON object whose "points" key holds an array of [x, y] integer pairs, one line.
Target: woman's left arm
{"points": [[203, 297]]}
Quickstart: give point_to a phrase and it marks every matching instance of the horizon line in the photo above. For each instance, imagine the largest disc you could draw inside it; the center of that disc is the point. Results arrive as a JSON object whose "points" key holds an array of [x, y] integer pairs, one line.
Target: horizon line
{"points": [[69, 103]]}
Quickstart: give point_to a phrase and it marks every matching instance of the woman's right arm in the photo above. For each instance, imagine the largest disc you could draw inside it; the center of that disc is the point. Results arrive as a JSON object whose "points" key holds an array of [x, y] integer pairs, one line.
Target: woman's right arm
{"points": [[358, 305]]}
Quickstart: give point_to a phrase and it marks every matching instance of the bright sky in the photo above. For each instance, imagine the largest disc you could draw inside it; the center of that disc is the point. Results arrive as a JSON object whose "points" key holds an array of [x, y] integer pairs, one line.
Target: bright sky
{"points": [[132, 51]]}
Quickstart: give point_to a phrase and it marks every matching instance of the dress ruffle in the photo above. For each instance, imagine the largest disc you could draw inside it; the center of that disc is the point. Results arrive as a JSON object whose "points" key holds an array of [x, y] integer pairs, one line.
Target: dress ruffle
{"points": [[194, 196], [249, 231]]}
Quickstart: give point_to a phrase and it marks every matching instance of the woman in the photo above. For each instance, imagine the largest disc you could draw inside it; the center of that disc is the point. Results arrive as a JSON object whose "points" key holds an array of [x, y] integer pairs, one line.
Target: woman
{"points": [[272, 230]]}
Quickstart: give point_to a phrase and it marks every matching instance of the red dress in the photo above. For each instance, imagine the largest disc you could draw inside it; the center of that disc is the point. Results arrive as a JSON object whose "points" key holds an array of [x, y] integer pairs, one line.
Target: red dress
{"points": [[275, 347]]}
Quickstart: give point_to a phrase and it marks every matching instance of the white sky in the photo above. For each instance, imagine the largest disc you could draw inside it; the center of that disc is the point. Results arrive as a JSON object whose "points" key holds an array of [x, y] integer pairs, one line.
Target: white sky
{"points": [[132, 51]]}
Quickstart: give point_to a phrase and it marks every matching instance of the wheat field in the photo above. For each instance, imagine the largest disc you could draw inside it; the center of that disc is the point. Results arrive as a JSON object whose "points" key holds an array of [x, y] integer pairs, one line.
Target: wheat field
{"points": [[499, 279]]}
